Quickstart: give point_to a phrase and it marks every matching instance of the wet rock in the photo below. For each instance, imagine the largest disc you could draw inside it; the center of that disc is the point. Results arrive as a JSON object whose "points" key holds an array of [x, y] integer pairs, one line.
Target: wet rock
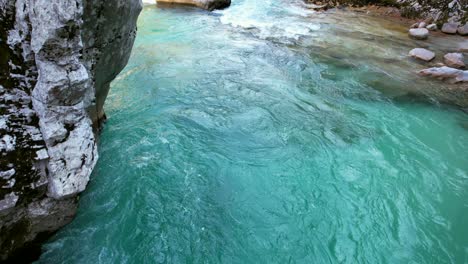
{"points": [[432, 27], [463, 30], [52, 89], [446, 73], [463, 46], [205, 4], [422, 25], [419, 33], [454, 60], [422, 54], [450, 28]]}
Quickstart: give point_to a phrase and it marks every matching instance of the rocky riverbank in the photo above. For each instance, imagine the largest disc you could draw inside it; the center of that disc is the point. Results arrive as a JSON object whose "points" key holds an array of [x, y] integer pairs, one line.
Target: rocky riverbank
{"points": [[439, 37], [440, 11], [57, 60]]}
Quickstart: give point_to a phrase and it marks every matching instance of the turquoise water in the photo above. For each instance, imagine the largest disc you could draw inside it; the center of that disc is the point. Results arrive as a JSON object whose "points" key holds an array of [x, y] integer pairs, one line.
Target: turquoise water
{"points": [[266, 133]]}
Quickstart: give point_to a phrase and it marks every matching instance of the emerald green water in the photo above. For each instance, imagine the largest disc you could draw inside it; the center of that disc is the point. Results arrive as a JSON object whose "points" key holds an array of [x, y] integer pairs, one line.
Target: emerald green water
{"points": [[265, 133]]}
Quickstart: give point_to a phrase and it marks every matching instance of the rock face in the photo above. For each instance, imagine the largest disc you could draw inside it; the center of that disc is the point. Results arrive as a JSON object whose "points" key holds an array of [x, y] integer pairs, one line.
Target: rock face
{"points": [[205, 4], [419, 33], [454, 60], [57, 58], [422, 54]]}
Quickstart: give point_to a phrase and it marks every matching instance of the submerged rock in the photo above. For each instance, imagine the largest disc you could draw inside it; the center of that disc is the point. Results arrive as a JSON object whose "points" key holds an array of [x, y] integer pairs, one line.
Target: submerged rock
{"points": [[454, 60], [450, 28], [57, 60], [205, 4], [422, 54], [463, 46], [452, 74], [419, 33]]}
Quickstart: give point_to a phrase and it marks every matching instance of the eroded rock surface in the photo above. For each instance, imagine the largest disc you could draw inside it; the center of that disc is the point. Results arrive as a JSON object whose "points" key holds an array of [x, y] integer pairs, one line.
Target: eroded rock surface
{"points": [[57, 58]]}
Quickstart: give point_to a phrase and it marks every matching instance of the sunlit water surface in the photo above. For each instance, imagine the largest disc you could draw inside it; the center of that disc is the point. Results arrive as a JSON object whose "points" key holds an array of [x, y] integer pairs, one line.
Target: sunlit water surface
{"points": [[266, 133]]}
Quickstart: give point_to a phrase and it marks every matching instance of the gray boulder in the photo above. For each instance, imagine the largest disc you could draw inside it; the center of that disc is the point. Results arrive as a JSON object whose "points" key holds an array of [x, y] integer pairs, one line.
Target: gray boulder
{"points": [[419, 33], [450, 28], [454, 60], [422, 54], [463, 30]]}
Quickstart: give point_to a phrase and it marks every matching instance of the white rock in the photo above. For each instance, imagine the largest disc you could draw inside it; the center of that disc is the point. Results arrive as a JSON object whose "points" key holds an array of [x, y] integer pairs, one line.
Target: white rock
{"points": [[419, 33], [9, 201], [432, 27], [42, 154], [422, 54], [454, 60], [7, 143], [450, 28], [6, 175], [452, 74]]}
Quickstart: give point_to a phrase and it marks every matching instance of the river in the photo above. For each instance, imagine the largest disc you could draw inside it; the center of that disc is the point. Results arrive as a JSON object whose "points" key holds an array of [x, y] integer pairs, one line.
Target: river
{"points": [[267, 133]]}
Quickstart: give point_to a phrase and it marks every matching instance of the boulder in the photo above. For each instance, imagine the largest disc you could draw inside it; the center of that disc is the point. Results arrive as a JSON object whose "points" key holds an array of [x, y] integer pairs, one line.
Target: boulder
{"points": [[415, 25], [450, 28], [422, 54], [422, 25], [205, 4], [432, 27], [446, 73], [463, 30], [419, 33], [454, 60]]}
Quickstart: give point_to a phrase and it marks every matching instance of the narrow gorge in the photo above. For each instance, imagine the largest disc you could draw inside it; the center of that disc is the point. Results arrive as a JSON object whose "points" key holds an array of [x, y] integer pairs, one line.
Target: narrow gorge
{"points": [[270, 131]]}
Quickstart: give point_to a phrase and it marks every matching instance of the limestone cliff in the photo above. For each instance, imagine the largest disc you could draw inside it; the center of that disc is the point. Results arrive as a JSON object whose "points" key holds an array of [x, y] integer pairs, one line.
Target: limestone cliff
{"points": [[57, 58]]}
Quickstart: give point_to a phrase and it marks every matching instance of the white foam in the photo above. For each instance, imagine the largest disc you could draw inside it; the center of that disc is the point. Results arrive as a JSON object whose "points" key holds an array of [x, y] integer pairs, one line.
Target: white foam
{"points": [[149, 2], [289, 19]]}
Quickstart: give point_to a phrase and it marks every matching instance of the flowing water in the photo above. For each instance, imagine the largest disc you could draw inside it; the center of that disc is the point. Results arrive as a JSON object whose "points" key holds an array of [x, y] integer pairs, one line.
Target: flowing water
{"points": [[267, 133]]}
